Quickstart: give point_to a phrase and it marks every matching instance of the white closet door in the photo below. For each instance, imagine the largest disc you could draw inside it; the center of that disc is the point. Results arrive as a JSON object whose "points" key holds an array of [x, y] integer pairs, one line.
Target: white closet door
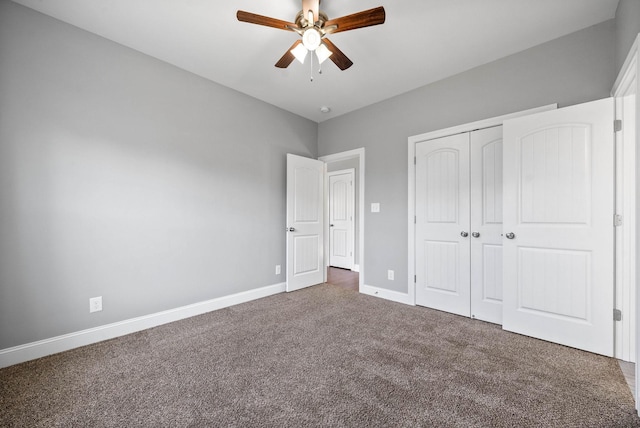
{"points": [[486, 224], [558, 218], [442, 218], [341, 219]]}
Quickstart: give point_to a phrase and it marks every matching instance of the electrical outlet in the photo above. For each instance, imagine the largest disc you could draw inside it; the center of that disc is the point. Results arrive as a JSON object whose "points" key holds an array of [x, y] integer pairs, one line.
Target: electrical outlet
{"points": [[95, 304], [278, 270], [390, 275]]}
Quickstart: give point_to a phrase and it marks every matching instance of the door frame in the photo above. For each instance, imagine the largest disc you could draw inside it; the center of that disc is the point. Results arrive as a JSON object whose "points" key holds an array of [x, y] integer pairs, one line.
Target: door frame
{"points": [[352, 212], [628, 83], [412, 141], [626, 196], [350, 154]]}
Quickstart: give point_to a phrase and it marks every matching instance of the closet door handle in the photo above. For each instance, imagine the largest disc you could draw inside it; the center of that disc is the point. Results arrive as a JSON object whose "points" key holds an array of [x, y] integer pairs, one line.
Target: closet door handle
{"points": [[464, 234], [510, 235], [475, 234]]}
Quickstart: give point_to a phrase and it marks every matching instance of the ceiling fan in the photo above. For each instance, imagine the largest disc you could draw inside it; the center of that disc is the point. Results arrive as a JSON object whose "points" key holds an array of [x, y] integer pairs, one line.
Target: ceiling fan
{"points": [[313, 25]]}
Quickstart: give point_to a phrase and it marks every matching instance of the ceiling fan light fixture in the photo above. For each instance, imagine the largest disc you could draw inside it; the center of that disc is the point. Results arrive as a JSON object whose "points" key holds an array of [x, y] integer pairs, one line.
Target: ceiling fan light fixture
{"points": [[322, 52], [311, 39], [300, 52], [312, 25]]}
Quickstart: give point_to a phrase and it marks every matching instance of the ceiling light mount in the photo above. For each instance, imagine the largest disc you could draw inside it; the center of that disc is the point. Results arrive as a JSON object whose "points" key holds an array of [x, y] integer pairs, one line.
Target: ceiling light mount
{"points": [[311, 38]]}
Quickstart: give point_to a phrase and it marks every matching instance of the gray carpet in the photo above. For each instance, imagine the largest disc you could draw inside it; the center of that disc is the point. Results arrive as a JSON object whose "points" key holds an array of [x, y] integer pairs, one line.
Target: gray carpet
{"points": [[323, 356]]}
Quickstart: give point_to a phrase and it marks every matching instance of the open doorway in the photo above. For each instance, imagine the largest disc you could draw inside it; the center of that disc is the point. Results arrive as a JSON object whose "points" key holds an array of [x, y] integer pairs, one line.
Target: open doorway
{"points": [[344, 249], [343, 278]]}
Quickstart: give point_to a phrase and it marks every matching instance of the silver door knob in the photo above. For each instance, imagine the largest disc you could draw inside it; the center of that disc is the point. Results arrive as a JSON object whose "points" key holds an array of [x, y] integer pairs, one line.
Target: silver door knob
{"points": [[464, 234], [330, 225], [510, 235], [475, 234], [291, 229]]}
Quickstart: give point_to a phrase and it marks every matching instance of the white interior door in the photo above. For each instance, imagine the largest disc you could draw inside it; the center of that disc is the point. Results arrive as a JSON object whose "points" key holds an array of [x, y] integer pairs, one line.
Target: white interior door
{"points": [[341, 219], [558, 218], [442, 224], [486, 224], [305, 255]]}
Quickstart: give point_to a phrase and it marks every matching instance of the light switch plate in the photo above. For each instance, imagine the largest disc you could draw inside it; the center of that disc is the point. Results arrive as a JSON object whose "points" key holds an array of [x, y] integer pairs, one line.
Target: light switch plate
{"points": [[375, 207]]}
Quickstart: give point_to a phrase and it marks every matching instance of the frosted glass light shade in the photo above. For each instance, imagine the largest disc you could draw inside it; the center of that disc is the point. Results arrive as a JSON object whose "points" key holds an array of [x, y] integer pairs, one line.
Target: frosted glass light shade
{"points": [[322, 52], [300, 52]]}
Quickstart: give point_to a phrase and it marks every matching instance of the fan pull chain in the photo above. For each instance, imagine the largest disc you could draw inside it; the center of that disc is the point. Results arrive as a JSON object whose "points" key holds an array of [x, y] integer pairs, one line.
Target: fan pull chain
{"points": [[311, 63]]}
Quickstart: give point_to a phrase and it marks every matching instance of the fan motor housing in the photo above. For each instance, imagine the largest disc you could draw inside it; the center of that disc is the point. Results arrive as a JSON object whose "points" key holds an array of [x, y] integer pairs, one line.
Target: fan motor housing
{"points": [[302, 22]]}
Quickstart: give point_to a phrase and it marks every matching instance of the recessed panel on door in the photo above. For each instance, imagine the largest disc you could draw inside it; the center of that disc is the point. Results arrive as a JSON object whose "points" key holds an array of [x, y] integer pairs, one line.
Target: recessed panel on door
{"points": [[305, 254], [307, 185], [555, 175], [555, 283], [441, 267], [492, 274]]}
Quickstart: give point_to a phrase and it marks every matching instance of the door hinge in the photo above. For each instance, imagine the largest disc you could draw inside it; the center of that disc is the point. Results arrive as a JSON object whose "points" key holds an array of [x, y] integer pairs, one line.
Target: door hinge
{"points": [[415, 278], [617, 315], [415, 219], [617, 220], [414, 160], [617, 125]]}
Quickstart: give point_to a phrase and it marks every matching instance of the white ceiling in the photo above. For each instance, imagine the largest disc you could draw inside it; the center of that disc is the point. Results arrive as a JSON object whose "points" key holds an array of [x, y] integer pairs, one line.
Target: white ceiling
{"points": [[422, 41]]}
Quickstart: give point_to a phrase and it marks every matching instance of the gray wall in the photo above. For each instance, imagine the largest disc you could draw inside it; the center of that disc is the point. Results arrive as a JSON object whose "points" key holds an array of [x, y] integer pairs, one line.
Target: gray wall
{"points": [[127, 178], [627, 29], [355, 164], [576, 68]]}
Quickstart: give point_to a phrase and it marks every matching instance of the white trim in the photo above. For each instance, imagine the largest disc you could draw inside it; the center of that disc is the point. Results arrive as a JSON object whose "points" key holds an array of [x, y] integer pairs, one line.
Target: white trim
{"points": [[356, 268], [627, 83], [480, 124], [65, 342], [412, 141], [625, 251], [628, 72], [384, 293], [625, 245], [352, 212], [351, 154]]}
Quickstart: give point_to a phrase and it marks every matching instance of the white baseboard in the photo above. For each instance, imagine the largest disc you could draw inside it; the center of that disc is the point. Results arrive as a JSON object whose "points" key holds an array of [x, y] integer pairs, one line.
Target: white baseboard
{"points": [[42, 348], [387, 294], [356, 268]]}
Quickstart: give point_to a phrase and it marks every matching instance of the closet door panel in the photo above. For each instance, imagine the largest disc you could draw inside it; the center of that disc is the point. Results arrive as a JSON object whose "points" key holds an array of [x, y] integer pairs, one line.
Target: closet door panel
{"points": [[559, 206], [486, 224], [442, 224]]}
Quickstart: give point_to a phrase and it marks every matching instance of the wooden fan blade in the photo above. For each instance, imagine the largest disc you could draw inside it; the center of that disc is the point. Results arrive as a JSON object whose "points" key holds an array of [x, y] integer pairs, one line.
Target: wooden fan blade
{"points": [[311, 5], [253, 18], [338, 57], [288, 57], [366, 18]]}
